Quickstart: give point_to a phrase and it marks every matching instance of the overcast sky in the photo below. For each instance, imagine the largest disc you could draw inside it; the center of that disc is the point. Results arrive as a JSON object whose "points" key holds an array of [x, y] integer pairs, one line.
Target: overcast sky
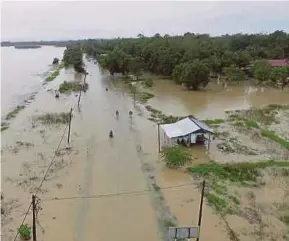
{"points": [[91, 19]]}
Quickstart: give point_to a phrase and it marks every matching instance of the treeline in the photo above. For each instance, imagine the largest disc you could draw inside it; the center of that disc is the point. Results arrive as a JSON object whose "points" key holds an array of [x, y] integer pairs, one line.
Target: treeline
{"points": [[191, 59], [72, 57]]}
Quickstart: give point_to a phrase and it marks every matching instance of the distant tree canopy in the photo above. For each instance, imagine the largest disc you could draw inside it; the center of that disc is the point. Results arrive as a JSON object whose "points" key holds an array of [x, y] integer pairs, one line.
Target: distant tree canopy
{"points": [[191, 58], [72, 56]]}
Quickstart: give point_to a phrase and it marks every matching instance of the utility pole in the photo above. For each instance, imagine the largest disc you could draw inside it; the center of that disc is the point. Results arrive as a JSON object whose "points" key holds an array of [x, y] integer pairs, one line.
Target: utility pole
{"points": [[201, 208], [69, 126], [34, 218], [159, 141]]}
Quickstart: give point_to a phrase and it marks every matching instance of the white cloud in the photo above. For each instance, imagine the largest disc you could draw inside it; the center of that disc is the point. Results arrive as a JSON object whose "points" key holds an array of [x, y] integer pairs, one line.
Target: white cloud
{"points": [[74, 20]]}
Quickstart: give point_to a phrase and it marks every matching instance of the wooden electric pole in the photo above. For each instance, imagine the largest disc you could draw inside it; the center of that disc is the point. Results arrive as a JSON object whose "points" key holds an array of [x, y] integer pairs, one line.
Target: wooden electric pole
{"points": [[201, 208], [159, 141], [69, 126], [34, 218]]}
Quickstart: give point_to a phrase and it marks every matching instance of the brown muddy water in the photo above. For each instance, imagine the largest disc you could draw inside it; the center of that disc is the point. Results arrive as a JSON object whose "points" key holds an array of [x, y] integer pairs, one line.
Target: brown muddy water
{"points": [[102, 189]]}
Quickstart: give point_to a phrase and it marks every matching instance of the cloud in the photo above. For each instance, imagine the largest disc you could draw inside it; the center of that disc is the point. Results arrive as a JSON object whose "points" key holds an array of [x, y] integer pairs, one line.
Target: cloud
{"points": [[74, 20]]}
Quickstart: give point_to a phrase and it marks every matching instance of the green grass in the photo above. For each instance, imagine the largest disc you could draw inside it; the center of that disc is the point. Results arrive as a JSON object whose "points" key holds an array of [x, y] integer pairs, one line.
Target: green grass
{"points": [[145, 96], [217, 201], [214, 121], [220, 176], [14, 112], [156, 187], [54, 118], [169, 223], [285, 219], [251, 124], [175, 157], [73, 86], [237, 173], [272, 136], [55, 73], [3, 128], [158, 117]]}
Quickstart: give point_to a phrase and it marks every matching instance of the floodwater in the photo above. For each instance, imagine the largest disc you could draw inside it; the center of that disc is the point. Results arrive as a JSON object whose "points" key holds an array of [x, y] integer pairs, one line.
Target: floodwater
{"points": [[102, 189], [214, 100], [21, 71]]}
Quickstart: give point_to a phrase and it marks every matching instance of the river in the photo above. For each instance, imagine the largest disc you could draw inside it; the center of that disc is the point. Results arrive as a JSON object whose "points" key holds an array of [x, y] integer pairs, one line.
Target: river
{"points": [[22, 73], [105, 189]]}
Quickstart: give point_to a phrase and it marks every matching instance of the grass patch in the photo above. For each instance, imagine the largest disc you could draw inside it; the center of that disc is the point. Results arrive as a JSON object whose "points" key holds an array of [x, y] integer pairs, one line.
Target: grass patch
{"points": [[251, 124], [285, 219], [14, 112], [214, 121], [272, 136], [55, 73], [175, 157], [54, 118], [220, 176], [3, 128], [156, 187], [237, 173], [159, 117], [169, 223], [148, 83], [145, 96], [73, 86]]}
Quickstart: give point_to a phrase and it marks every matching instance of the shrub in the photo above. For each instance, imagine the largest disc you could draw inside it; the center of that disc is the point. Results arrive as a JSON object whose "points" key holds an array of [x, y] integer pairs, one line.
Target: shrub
{"points": [[25, 232], [175, 157]]}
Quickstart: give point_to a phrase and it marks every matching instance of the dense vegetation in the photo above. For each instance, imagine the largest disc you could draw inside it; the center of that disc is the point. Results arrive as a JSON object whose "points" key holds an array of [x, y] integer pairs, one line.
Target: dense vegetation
{"points": [[192, 59], [72, 56]]}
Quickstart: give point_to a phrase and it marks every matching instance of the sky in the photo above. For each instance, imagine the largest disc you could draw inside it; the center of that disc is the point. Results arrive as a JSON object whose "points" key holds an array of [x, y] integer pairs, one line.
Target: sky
{"points": [[63, 20]]}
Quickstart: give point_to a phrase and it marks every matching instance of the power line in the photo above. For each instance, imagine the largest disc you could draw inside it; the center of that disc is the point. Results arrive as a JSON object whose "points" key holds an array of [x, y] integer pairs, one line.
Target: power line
{"points": [[52, 160], [116, 194]]}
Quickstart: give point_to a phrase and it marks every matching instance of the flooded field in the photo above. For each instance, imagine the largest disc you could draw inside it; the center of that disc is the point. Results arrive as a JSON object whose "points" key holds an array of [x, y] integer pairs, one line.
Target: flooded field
{"points": [[101, 188]]}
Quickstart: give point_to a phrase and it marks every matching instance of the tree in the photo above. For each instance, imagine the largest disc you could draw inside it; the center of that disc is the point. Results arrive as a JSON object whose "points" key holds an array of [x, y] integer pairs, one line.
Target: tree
{"points": [[234, 74], [161, 55], [192, 74], [261, 71]]}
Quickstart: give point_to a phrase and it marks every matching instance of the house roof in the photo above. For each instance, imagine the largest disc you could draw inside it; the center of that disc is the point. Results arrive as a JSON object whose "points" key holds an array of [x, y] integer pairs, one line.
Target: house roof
{"points": [[278, 62], [184, 127]]}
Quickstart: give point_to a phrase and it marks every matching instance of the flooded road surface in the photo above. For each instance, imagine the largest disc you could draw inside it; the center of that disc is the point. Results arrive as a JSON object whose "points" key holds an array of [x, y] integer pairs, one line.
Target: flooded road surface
{"points": [[101, 188], [22, 73]]}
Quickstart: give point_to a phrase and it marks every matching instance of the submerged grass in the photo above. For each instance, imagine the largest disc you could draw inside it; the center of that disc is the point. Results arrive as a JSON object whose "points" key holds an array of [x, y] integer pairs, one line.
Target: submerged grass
{"points": [[176, 156], [272, 136], [3, 128], [214, 121], [159, 117], [74, 86], [238, 172], [145, 96], [14, 112], [220, 176], [54, 118], [55, 73]]}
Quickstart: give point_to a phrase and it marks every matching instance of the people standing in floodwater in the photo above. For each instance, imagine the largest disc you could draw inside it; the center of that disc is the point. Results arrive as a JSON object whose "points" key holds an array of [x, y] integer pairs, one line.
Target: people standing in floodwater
{"points": [[111, 134], [117, 113], [130, 113], [106, 89]]}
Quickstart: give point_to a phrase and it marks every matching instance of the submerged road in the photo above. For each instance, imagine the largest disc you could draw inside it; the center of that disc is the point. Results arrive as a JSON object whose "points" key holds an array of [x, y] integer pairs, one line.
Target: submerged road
{"points": [[112, 166]]}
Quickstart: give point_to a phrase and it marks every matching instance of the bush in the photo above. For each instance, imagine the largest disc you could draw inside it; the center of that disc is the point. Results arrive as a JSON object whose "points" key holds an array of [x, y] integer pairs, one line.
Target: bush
{"points": [[75, 86], [25, 232], [175, 157], [148, 82]]}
